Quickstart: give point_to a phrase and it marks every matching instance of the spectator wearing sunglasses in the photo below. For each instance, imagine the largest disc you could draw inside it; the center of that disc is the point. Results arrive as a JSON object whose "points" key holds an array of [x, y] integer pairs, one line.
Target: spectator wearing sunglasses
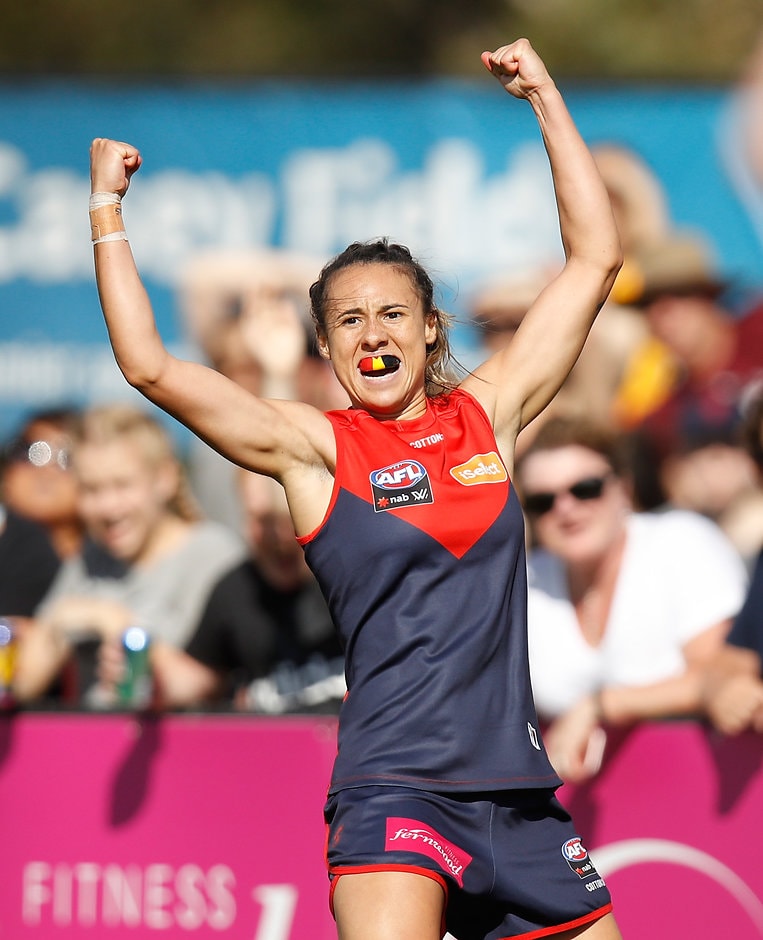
{"points": [[626, 608], [37, 480]]}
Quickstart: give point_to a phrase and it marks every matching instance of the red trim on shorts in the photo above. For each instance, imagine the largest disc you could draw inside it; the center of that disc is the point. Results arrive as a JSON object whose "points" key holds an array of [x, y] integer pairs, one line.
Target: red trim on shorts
{"points": [[549, 931], [336, 874], [326, 845]]}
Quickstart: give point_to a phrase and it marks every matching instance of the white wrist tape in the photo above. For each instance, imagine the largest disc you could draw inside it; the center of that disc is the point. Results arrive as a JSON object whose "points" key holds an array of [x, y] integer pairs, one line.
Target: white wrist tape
{"points": [[111, 237], [104, 199]]}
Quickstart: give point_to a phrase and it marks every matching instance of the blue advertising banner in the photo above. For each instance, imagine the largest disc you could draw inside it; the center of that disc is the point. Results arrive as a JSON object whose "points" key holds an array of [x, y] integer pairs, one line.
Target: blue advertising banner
{"points": [[453, 169]]}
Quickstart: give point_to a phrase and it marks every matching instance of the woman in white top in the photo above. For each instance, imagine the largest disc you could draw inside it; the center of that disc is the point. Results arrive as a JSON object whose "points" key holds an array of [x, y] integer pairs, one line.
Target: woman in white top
{"points": [[625, 609]]}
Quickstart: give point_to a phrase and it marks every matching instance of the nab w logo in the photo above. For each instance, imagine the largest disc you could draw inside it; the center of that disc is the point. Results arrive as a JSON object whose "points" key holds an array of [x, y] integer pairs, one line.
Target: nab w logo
{"points": [[399, 485]]}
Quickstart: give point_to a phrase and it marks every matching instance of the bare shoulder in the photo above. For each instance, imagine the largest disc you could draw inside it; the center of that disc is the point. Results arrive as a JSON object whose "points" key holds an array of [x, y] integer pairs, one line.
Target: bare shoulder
{"points": [[481, 385], [500, 399], [308, 475], [311, 434]]}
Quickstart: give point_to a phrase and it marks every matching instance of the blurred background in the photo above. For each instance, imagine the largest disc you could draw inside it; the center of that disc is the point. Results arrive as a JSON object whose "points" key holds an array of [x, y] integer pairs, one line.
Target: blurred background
{"points": [[683, 40], [273, 133], [304, 125]]}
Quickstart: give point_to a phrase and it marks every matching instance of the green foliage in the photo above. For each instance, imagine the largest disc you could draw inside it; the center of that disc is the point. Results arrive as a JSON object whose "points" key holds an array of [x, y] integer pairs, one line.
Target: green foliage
{"points": [[677, 40]]}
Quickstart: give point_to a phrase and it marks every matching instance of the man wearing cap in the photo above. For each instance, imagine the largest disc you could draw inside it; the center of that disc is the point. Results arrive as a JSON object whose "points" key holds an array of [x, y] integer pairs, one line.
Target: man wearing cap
{"points": [[718, 354]]}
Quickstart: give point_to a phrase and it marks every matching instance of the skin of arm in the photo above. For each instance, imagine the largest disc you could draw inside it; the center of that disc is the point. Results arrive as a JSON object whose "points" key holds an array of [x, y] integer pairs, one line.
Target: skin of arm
{"points": [[568, 737], [519, 381], [41, 655], [732, 690], [180, 681], [46, 643], [287, 440], [294, 442], [679, 695]]}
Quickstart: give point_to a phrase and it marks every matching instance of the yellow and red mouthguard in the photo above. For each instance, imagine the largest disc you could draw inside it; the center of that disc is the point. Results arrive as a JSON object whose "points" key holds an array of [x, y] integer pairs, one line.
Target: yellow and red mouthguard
{"points": [[378, 363]]}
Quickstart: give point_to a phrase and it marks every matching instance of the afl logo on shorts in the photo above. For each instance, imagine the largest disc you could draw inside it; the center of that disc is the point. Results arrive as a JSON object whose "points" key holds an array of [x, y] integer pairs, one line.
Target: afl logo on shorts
{"points": [[399, 485], [576, 856]]}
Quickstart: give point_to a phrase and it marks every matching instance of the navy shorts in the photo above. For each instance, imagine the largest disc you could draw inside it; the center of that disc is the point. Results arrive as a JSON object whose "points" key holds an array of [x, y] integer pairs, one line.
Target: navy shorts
{"points": [[510, 863]]}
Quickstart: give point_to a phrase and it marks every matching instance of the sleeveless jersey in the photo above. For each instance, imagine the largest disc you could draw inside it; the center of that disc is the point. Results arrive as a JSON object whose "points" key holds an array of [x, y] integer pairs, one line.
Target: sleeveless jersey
{"points": [[421, 560]]}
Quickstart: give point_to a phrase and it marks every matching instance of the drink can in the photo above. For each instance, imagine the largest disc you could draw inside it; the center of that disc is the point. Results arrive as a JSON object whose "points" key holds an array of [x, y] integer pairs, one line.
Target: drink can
{"points": [[7, 662], [136, 688]]}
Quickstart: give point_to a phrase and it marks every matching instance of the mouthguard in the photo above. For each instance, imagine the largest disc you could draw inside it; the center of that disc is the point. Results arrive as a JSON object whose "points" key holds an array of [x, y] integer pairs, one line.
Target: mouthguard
{"points": [[378, 363]]}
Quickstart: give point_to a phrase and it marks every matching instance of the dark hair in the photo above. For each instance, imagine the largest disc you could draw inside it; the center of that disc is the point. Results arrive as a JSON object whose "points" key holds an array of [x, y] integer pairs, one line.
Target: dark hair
{"points": [[577, 430], [438, 376], [63, 418], [752, 426]]}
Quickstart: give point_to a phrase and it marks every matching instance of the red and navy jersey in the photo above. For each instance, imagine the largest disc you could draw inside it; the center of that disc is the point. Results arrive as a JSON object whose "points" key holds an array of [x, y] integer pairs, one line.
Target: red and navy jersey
{"points": [[421, 560]]}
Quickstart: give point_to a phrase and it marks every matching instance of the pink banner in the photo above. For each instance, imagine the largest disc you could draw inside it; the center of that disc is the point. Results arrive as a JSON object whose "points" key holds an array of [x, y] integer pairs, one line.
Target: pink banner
{"points": [[674, 822], [185, 826], [211, 826]]}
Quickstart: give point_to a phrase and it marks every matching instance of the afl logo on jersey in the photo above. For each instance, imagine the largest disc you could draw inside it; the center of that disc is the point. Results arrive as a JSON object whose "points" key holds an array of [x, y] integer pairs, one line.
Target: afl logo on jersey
{"points": [[401, 484]]}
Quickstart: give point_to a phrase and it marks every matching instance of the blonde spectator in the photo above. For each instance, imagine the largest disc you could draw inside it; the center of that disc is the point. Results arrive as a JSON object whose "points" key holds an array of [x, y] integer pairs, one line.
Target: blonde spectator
{"points": [[153, 560]]}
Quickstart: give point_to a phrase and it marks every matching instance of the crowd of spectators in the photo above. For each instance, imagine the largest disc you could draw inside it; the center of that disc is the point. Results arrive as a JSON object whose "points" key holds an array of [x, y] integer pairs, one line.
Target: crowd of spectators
{"points": [[642, 492], [641, 488], [111, 530]]}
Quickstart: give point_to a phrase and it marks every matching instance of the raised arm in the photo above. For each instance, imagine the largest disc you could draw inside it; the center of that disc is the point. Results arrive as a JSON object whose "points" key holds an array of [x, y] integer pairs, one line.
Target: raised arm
{"points": [[272, 437], [519, 381]]}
